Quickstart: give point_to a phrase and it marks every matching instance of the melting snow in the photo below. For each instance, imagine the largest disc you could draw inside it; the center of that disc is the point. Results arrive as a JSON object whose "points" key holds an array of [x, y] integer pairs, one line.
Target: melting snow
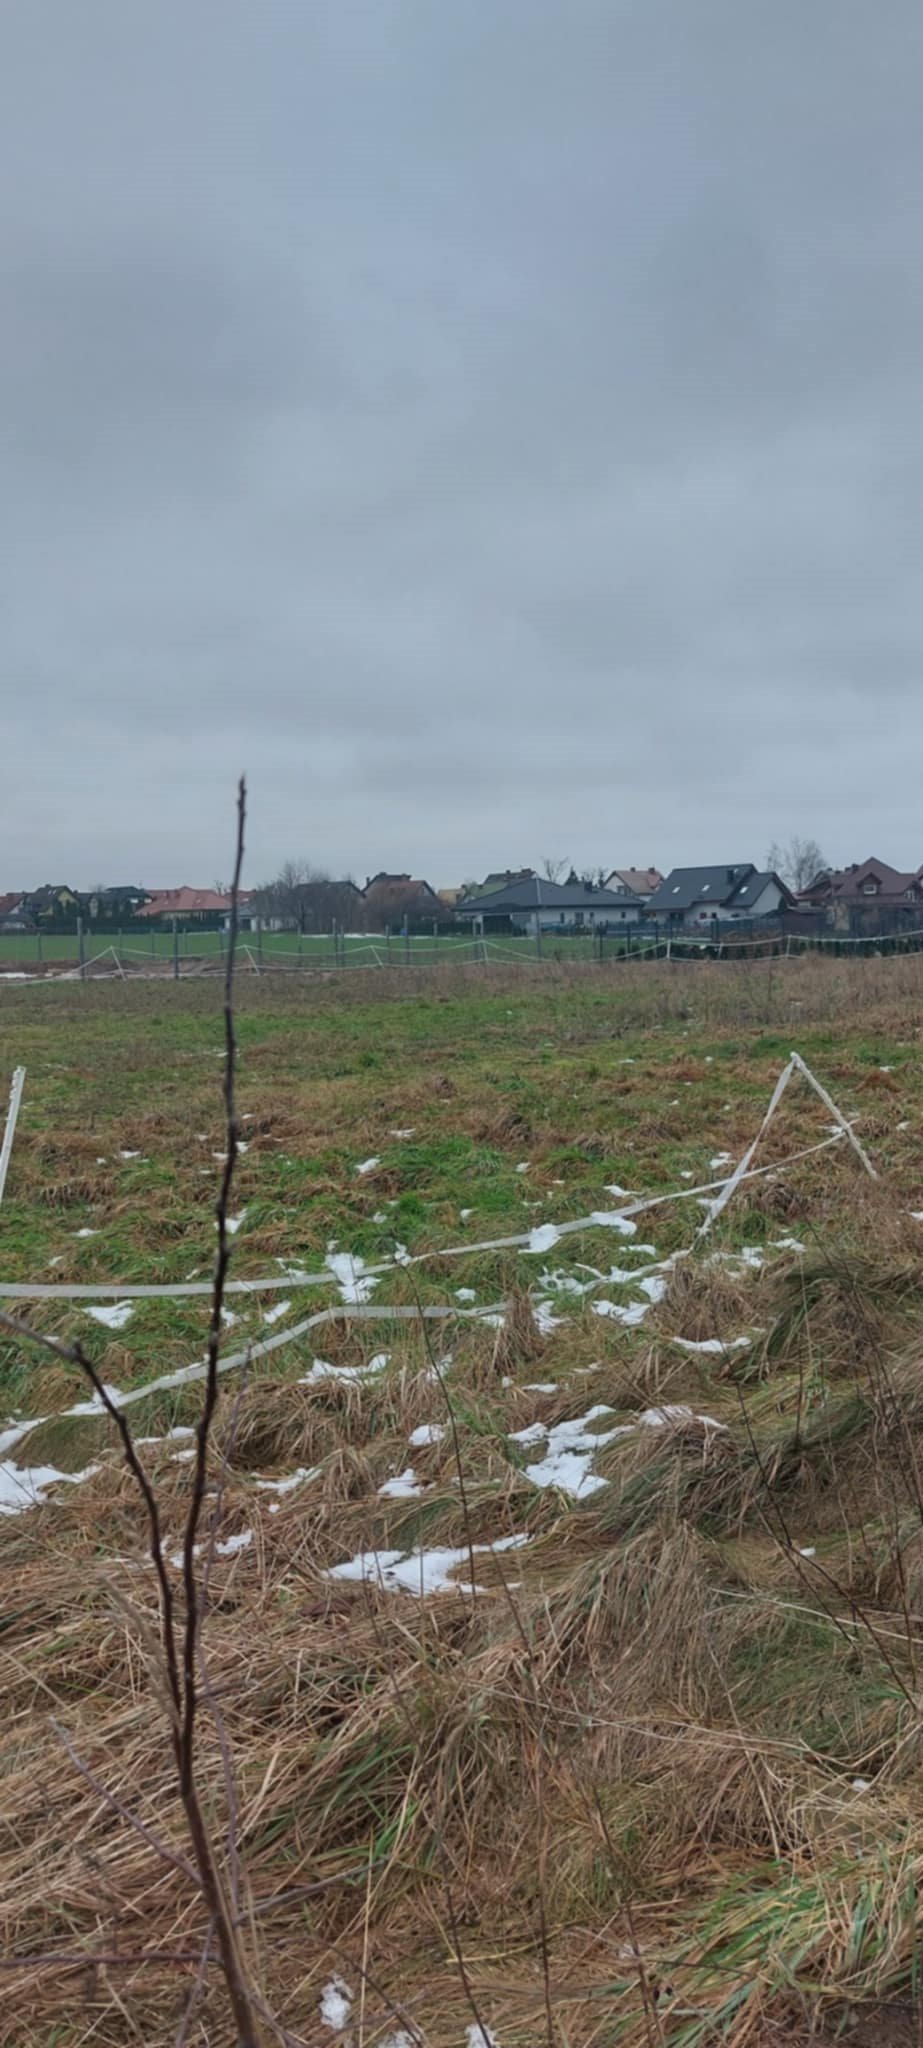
{"points": [[629, 1317], [113, 1314], [406, 1133], [465, 1213], [234, 1223], [477, 2036], [465, 1294], [569, 1447], [129, 1155], [368, 1165], [403, 1486], [349, 1270], [27, 1486], [613, 1219], [274, 1315], [540, 1387], [86, 1232], [711, 1346], [523, 1166], [542, 1238], [418, 1571], [336, 2004], [287, 1485], [426, 1433]]}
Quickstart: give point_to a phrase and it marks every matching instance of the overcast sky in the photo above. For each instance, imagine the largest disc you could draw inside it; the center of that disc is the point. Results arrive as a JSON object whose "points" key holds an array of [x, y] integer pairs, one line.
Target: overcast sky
{"points": [[495, 425]]}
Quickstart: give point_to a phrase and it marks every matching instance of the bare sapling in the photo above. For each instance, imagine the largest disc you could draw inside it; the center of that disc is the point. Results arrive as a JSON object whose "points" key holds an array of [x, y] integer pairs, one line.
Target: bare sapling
{"points": [[179, 1633]]}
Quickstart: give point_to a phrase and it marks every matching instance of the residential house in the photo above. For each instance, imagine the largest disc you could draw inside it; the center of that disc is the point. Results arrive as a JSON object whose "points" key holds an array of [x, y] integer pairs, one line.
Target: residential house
{"points": [[538, 905], [868, 896], [504, 878], [112, 903], [702, 896], [13, 918], [53, 903], [391, 901], [194, 906], [639, 882]]}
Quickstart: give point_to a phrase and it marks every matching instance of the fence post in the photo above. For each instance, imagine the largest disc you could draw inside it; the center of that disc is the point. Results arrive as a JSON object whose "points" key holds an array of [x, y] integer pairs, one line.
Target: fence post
{"points": [[406, 941], [118, 947], [38, 945], [300, 943], [175, 952], [259, 942], [388, 942], [538, 936], [153, 941], [81, 949]]}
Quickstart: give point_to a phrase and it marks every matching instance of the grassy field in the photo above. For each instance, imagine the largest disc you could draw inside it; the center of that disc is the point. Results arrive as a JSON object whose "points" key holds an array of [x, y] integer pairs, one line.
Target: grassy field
{"points": [[658, 1775], [27, 950]]}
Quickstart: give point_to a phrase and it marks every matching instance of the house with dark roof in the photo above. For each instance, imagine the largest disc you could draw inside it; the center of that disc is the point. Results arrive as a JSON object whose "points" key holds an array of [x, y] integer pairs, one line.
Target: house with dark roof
{"points": [[868, 896], [701, 896], [391, 901], [538, 905]]}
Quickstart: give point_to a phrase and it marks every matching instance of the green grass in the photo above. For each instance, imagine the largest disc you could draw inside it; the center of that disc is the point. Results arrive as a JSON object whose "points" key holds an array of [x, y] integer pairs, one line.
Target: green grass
{"points": [[669, 1655]]}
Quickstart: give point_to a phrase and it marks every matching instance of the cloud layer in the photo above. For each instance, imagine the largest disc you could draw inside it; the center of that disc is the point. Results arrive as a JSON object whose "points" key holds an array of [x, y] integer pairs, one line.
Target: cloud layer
{"points": [[495, 427]]}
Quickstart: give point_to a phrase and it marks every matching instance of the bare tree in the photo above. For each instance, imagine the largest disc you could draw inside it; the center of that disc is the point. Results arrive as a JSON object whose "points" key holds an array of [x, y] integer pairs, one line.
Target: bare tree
{"points": [[552, 868], [798, 863]]}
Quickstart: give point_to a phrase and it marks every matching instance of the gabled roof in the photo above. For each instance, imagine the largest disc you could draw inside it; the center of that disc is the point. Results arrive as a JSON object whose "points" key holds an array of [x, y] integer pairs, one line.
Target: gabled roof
{"points": [[538, 894], [751, 890], [10, 902], [640, 881], [185, 901], [686, 886]]}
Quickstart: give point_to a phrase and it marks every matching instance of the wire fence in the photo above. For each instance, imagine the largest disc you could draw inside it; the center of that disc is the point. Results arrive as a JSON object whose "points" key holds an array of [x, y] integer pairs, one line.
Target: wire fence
{"points": [[180, 955]]}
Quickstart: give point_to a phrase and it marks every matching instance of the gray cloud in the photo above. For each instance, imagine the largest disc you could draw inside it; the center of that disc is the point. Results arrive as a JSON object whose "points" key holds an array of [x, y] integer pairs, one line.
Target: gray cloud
{"points": [[496, 428]]}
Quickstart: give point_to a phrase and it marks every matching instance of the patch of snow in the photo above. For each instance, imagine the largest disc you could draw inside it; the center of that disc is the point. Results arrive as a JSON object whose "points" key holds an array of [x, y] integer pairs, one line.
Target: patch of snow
{"points": [[229, 1318], [27, 1486], [465, 1294], [403, 1486], [86, 1232], [336, 2004], [676, 1411], [612, 1188], [478, 2036], [494, 1318], [418, 1571], [721, 1159], [112, 1314], [629, 1317], [655, 1288], [540, 1387], [569, 1447], [862, 1784], [545, 1319], [321, 1370], [426, 1433], [293, 1479], [523, 1166], [807, 1550], [687, 1176], [408, 1132], [543, 1237], [356, 1285], [368, 1165], [713, 1347], [613, 1219], [465, 1213], [234, 1223], [788, 1244], [129, 1155], [274, 1315]]}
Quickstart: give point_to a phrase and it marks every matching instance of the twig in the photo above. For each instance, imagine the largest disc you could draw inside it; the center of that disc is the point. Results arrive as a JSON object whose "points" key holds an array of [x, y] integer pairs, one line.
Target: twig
{"points": [[124, 1812]]}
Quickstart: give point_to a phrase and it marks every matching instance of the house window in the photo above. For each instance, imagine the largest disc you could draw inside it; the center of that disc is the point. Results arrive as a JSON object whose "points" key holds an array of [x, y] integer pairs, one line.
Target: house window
{"points": [[870, 888]]}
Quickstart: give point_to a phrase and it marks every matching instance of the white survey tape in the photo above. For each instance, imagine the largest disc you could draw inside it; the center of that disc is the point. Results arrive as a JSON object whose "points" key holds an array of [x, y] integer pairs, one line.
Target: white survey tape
{"points": [[795, 1065], [268, 1283]]}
